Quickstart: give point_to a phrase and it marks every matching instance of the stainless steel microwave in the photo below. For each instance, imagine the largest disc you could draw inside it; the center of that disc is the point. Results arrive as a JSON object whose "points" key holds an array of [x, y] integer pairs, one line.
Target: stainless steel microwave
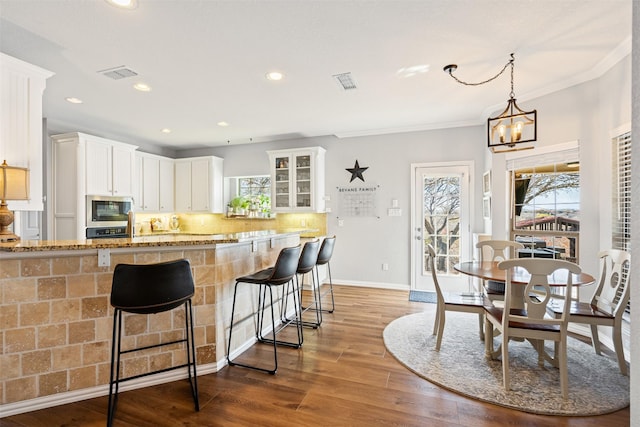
{"points": [[104, 211]]}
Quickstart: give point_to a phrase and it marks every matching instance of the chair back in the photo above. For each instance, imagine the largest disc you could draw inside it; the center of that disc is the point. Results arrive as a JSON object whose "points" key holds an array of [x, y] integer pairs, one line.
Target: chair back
{"points": [[308, 257], [612, 294], [285, 266], [151, 288], [498, 250], [326, 250], [431, 255], [537, 291]]}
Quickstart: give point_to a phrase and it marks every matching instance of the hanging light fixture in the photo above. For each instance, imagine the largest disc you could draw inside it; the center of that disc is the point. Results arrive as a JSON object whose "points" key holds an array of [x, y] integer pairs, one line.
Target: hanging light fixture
{"points": [[513, 129]]}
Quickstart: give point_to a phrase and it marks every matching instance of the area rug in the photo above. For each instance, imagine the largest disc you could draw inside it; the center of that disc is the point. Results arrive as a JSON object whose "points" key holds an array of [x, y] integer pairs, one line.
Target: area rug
{"points": [[595, 383]]}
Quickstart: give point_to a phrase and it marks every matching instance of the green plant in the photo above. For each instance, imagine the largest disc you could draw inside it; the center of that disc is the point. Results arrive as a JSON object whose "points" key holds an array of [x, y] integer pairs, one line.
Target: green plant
{"points": [[239, 202]]}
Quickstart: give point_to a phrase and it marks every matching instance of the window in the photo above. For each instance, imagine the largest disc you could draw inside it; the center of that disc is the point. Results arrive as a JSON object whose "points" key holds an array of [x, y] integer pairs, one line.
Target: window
{"points": [[621, 192], [252, 186], [545, 191], [546, 214], [442, 221], [621, 195]]}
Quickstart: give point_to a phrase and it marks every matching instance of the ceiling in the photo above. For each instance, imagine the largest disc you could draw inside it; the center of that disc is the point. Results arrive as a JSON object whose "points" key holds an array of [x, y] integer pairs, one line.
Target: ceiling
{"points": [[206, 62]]}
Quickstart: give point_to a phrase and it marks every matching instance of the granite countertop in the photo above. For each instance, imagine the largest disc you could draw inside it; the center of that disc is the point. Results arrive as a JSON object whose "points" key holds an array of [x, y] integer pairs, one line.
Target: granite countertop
{"points": [[142, 241]]}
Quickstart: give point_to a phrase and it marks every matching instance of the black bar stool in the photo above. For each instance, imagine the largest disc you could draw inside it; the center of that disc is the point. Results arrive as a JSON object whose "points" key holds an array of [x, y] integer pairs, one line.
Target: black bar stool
{"points": [[324, 256], [281, 273], [306, 264], [148, 289]]}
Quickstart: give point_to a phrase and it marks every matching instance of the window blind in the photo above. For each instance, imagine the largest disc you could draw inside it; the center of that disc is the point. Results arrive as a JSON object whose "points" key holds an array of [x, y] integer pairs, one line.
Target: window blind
{"points": [[621, 196], [621, 227]]}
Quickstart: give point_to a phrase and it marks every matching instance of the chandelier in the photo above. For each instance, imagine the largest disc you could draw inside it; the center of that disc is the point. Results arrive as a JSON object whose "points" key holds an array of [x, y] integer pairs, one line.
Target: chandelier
{"points": [[513, 129]]}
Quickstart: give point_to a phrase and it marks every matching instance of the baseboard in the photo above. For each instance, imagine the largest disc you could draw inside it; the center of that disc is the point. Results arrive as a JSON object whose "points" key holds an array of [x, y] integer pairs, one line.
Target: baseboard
{"points": [[380, 285], [23, 406]]}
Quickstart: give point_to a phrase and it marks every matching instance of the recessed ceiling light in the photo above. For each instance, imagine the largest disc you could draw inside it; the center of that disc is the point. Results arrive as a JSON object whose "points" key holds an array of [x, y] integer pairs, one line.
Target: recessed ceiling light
{"points": [[142, 87], [412, 71], [223, 124], [123, 4], [166, 130], [275, 76], [74, 100]]}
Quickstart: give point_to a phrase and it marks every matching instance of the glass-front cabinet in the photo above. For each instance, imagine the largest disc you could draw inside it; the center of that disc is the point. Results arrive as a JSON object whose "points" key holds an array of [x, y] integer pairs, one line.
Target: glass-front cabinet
{"points": [[297, 180]]}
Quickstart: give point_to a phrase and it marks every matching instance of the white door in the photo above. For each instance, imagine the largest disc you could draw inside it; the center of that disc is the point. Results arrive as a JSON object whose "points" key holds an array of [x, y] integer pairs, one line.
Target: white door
{"points": [[441, 219]]}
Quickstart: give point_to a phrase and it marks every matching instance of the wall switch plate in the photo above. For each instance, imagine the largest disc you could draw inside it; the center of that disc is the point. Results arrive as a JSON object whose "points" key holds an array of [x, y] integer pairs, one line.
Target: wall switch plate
{"points": [[104, 257], [394, 212]]}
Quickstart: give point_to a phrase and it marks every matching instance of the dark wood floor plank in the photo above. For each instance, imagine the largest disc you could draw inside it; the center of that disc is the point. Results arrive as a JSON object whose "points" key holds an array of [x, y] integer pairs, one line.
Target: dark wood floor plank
{"points": [[342, 376]]}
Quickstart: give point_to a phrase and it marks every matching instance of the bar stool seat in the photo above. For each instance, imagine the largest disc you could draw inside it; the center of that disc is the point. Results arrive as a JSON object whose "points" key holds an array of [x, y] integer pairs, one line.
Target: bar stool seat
{"points": [[280, 274], [149, 289]]}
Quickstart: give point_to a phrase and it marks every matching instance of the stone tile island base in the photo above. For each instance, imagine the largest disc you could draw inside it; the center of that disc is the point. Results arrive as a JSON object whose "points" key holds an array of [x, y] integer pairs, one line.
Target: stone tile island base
{"points": [[56, 320]]}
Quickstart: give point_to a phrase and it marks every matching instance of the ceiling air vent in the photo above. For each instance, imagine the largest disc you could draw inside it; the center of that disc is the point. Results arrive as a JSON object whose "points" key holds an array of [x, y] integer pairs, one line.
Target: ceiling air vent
{"points": [[118, 73], [345, 80]]}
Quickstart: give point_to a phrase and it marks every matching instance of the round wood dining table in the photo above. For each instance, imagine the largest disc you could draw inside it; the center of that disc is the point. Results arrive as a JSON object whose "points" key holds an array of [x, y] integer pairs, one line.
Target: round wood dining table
{"points": [[489, 271]]}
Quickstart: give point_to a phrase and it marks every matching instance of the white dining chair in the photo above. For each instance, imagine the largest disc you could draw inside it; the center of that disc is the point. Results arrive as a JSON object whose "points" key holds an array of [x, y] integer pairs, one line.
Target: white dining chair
{"points": [[451, 301], [530, 322], [496, 250], [608, 303]]}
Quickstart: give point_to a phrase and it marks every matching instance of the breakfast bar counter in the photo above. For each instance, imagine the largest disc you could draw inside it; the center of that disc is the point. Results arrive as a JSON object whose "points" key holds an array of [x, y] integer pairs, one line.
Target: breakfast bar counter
{"points": [[56, 319]]}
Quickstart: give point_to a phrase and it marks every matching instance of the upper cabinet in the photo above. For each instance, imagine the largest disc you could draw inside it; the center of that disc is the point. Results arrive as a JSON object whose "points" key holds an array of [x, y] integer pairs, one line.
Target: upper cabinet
{"points": [[110, 167], [199, 184], [154, 183], [86, 165], [21, 89], [297, 180]]}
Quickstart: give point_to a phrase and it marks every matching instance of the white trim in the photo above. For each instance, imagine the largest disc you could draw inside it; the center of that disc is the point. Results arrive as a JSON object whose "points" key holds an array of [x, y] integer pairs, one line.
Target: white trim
{"points": [[379, 285], [620, 130], [571, 145], [102, 390]]}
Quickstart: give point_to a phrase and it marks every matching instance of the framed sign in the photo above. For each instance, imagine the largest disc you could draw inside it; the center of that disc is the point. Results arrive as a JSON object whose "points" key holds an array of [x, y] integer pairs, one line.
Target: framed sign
{"points": [[486, 183], [486, 207]]}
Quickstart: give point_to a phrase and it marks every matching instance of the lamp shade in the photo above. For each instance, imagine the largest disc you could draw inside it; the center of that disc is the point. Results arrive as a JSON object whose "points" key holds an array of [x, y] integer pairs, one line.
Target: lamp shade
{"points": [[14, 182]]}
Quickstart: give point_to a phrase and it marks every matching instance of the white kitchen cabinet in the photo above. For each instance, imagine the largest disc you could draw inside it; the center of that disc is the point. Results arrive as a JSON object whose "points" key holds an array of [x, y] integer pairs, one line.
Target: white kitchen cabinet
{"points": [[166, 190], [84, 165], [110, 167], [22, 86], [297, 180], [154, 183], [199, 184]]}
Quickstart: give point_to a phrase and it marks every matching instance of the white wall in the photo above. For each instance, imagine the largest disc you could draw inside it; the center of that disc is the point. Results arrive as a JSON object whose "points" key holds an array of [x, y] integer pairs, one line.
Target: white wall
{"points": [[364, 244], [587, 112]]}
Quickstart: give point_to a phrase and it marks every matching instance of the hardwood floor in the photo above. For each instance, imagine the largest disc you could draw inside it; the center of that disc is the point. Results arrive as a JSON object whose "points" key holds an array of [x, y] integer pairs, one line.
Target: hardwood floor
{"points": [[343, 376]]}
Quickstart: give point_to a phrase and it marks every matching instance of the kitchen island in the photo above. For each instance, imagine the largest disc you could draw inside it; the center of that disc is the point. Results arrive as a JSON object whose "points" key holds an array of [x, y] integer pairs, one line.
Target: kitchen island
{"points": [[56, 319]]}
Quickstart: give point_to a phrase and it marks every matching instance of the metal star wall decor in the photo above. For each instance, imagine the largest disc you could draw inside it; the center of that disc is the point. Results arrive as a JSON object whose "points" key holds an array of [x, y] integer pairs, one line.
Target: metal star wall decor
{"points": [[356, 172]]}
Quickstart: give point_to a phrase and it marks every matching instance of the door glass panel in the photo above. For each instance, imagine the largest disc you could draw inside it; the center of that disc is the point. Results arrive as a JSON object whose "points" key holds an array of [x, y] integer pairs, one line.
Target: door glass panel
{"points": [[282, 182], [303, 181], [441, 220]]}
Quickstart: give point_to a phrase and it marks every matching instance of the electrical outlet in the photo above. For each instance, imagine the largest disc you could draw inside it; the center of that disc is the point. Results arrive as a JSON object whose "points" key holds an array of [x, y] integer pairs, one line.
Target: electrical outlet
{"points": [[341, 223], [385, 267], [104, 258], [303, 223]]}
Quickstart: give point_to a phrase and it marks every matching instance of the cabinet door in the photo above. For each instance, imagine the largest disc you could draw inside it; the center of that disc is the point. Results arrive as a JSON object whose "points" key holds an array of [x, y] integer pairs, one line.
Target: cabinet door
{"points": [[200, 185], [150, 184], [303, 188], [138, 198], [122, 171], [166, 185], [282, 182], [98, 167], [183, 186]]}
